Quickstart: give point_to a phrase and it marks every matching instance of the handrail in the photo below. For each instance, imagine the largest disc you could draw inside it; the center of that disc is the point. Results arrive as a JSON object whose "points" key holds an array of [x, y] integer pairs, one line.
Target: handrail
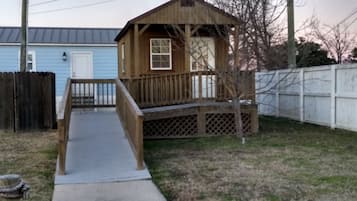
{"points": [[92, 93], [63, 123], [132, 119], [156, 90]]}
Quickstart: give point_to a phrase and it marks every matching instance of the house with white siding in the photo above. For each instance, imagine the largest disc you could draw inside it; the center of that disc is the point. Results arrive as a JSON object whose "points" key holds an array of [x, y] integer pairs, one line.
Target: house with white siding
{"points": [[68, 52]]}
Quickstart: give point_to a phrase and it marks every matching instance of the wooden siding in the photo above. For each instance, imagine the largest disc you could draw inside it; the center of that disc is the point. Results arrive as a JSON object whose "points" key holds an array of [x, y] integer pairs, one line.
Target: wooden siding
{"points": [[174, 13], [178, 51]]}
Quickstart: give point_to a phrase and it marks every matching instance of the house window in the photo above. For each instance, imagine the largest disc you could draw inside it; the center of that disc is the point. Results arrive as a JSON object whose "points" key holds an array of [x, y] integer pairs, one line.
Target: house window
{"points": [[123, 67], [160, 54], [31, 62]]}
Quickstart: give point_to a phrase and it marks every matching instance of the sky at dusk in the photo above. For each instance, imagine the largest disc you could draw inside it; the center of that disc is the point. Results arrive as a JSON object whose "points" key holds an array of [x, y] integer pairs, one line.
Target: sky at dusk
{"points": [[115, 13]]}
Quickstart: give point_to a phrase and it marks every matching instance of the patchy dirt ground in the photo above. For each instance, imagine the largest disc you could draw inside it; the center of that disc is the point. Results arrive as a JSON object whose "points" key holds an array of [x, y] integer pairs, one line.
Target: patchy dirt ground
{"points": [[285, 161], [32, 155]]}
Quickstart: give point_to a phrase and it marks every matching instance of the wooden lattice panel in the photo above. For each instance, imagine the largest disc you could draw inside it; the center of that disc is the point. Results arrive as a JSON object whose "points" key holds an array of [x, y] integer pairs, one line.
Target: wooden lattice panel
{"points": [[223, 123], [185, 126]]}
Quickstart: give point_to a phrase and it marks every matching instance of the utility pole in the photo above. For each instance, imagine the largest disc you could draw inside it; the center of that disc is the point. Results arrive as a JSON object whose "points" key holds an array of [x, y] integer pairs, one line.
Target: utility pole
{"points": [[24, 30], [291, 35]]}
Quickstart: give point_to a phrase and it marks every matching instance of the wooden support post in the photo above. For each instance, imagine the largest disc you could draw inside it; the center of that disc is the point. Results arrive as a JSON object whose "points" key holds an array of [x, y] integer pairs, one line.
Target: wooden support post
{"points": [[254, 120], [200, 86], [61, 147], [140, 143], [187, 47], [136, 55]]}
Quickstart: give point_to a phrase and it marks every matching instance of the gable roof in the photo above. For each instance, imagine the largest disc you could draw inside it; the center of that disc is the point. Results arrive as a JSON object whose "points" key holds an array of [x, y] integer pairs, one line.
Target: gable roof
{"points": [[182, 14], [54, 35]]}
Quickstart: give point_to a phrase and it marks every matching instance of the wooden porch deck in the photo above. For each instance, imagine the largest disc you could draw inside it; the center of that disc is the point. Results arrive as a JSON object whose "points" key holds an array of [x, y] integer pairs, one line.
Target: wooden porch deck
{"points": [[98, 150]]}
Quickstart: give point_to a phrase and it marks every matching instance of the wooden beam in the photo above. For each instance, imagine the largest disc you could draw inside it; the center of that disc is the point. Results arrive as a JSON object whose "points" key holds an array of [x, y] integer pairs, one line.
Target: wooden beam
{"points": [[194, 30], [178, 28], [187, 47], [142, 30], [136, 49]]}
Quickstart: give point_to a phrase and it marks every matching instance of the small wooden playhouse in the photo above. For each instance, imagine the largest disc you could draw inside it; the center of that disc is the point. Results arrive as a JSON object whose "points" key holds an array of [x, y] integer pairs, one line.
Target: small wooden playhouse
{"points": [[168, 58]]}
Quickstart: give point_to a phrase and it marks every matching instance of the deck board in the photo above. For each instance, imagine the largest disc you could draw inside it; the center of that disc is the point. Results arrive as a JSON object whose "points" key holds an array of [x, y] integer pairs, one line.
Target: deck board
{"points": [[98, 151]]}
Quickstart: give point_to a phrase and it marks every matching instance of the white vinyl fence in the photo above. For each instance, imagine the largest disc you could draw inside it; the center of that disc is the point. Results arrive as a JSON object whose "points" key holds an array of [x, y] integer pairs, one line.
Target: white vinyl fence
{"points": [[325, 95]]}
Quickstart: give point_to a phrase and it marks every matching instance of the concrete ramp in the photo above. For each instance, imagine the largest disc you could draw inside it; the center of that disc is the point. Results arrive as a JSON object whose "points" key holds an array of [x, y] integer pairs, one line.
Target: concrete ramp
{"points": [[98, 151]]}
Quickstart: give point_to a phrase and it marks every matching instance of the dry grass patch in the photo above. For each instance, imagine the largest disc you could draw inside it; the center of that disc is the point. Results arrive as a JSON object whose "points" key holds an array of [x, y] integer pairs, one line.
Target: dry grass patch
{"points": [[285, 161], [33, 156]]}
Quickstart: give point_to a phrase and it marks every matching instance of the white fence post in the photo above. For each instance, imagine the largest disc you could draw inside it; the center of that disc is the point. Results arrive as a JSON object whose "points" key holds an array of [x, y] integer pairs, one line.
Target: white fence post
{"points": [[302, 82], [333, 97], [277, 95]]}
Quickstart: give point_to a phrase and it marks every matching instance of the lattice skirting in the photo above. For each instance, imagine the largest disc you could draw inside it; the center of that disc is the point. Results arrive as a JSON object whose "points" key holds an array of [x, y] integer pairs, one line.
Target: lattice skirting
{"points": [[197, 125]]}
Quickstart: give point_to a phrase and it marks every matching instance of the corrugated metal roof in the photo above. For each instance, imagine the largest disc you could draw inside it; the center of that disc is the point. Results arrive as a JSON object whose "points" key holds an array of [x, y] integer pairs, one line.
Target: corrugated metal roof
{"points": [[54, 35]]}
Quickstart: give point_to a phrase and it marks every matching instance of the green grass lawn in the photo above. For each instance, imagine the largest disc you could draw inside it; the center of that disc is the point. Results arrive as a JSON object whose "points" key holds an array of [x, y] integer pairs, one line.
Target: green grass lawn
{"points": [[33, 156], [285, 161]]}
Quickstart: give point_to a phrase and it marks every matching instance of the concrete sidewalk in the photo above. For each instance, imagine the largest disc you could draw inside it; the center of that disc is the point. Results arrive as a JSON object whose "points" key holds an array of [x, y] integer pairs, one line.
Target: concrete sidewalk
{"points": [[144, 190]]}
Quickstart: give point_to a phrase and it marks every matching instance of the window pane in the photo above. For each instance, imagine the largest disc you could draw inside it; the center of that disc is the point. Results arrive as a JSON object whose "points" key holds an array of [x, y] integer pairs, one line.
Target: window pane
{"points": [[156, 64], [155, 42], [29, 57], [165, 58], [155, 49], [165, 49], [156, 58], [165, 43]]}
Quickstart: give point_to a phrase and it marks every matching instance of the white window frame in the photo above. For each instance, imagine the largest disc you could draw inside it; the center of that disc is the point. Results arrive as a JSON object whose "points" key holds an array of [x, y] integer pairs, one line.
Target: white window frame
{"points": [[123, 60], [34, 66], [152, 54]]}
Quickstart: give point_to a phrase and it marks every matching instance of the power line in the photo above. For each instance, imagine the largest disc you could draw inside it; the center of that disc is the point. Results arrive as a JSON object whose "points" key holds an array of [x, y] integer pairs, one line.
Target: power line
{"points": [[42, 3], [73, 7], [354, 11]]}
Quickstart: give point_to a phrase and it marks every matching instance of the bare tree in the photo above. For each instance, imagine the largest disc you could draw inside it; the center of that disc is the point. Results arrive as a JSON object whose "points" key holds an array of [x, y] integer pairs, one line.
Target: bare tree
{"points": [[260, 29], [337, 39]]}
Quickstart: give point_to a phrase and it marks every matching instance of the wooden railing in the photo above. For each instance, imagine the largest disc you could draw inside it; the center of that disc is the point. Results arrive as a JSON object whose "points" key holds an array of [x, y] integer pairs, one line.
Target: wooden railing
{"points": [[132, 120], [180, 88], [90, 93], [63, 123]]}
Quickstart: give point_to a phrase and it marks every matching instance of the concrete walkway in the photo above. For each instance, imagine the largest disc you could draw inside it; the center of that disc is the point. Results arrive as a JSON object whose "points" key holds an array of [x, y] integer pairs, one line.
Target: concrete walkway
{"points": [[100, 164]]}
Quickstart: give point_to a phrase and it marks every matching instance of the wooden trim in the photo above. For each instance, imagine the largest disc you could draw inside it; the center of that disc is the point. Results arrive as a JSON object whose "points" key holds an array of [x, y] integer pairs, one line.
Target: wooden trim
{"points": [[142, 30], [187, 46], [136, 55], [178, 28], [195, 29]]}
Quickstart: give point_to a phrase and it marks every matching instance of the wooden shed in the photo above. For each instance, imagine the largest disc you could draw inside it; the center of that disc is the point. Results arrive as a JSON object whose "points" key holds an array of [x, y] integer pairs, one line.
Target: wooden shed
{"points": [[168, 60], [162, 39]]}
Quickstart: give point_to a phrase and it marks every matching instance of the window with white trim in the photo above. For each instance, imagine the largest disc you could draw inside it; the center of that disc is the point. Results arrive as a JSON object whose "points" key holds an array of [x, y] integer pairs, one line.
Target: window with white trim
{"points": [[31, 61], [123, 67], [160, 54]]}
